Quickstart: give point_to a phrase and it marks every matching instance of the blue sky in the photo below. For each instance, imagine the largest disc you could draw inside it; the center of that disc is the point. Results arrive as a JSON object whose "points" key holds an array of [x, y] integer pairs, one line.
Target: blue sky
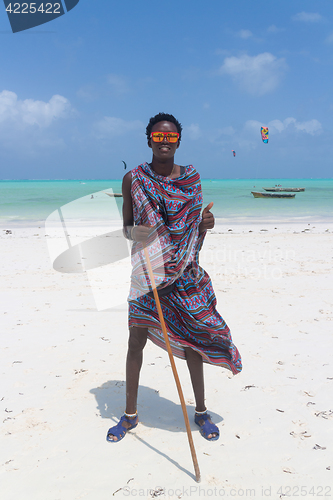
{"points": [[76, 93]]}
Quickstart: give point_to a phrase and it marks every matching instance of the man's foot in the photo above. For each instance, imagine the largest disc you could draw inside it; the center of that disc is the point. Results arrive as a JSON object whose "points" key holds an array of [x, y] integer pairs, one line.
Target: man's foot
{"points": [[126, 423], [207, 429]]}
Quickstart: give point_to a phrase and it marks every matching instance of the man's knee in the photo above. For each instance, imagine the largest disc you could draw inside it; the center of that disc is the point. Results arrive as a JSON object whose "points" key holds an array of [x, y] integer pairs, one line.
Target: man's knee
{"points": [[137, 338]]}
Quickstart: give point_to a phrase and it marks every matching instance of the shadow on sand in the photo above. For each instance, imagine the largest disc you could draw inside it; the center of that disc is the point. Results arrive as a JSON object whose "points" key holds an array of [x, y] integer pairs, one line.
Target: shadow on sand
{"points": [[154, 411]]}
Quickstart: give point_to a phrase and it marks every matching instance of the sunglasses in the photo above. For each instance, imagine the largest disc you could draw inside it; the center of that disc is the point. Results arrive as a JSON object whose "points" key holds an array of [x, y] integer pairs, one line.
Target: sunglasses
{"points": [[171, 137]]}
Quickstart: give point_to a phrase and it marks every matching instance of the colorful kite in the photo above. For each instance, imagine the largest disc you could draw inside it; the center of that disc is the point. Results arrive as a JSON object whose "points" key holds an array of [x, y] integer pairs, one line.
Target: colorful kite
{"points": [[264, 134], [233, 152]]}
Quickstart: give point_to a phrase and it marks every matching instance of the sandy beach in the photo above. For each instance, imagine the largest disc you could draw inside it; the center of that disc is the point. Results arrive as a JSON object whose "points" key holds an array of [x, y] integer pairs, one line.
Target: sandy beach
{"points": [[63, 372]]}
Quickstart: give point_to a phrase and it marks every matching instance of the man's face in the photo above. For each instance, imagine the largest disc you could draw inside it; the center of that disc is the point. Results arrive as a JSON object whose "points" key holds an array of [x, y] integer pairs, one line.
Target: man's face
{"points": [[163, 150]]}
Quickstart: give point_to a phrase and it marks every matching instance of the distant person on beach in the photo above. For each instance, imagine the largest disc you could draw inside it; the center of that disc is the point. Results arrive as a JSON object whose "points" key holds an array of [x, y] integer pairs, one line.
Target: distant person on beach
{"points": [[165, 199]]}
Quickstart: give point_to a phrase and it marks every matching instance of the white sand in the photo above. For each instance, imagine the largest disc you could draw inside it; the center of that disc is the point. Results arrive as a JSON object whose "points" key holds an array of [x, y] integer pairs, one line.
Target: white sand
{"points": [[63, 370]]}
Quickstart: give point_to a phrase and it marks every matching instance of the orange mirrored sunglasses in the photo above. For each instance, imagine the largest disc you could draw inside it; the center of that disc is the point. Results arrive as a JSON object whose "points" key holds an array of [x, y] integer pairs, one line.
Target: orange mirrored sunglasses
{"points": [[171, 137]]}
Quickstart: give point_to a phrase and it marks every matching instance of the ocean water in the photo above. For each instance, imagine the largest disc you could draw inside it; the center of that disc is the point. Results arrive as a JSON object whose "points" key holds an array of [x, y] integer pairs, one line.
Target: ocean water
{"points": [[234, 202], [27, 201]]}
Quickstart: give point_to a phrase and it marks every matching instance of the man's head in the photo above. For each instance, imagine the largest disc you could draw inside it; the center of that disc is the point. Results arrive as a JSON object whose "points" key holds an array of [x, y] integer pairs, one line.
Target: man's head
{"points": [[163, 117]]}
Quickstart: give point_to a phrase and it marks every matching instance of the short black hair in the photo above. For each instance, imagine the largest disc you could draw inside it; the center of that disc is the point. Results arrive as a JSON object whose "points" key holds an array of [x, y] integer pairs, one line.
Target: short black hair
{"points": [[163, 117]]}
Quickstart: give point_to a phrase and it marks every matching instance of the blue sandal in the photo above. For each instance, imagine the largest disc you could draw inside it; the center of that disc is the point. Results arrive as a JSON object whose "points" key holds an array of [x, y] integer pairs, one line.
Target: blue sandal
{"points": [[207, 427], [119, 430]]}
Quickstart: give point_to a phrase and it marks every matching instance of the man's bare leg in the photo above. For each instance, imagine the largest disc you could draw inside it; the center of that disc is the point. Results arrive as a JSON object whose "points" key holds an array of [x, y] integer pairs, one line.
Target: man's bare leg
{"points": [[195, 366], [136, 343]]}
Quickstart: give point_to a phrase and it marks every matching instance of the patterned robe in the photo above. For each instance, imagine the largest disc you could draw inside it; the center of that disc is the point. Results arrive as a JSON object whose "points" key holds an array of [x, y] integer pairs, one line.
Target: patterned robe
{"points": [[173, 207]]}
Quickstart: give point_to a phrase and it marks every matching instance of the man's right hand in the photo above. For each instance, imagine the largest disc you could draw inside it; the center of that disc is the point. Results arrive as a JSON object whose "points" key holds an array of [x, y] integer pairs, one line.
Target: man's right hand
{"points": [[141, 233]]}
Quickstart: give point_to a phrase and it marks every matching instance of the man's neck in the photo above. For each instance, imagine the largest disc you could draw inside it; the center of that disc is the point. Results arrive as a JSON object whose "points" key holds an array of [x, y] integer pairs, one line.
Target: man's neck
{"points": [[161, 167]]}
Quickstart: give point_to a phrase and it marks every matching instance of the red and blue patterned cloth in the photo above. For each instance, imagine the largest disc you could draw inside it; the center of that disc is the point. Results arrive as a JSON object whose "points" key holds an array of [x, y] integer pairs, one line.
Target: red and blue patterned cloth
{"points": [[173, 207]]}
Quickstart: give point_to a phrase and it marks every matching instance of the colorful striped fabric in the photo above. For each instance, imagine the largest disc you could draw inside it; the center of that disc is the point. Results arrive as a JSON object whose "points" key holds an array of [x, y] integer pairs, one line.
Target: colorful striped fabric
{"points": [[173, 207]]}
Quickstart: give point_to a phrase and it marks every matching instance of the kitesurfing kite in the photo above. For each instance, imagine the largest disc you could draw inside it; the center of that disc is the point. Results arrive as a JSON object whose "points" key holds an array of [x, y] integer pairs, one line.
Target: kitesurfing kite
{"points": [[233, 152], [125, 166], [264, 134]]}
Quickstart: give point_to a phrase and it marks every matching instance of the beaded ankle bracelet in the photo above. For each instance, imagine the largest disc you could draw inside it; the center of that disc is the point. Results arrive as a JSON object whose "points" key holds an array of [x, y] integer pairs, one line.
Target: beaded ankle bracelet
{"points": [[131, 415], [201, 412]]}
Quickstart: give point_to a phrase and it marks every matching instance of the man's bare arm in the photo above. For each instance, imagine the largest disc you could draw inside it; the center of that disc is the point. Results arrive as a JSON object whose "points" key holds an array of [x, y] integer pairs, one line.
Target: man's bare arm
{"points": [[131, 232]]}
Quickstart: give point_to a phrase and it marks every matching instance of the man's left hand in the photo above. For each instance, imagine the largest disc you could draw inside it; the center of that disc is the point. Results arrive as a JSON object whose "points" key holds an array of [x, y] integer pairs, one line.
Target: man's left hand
{"points": [[208, 220]]}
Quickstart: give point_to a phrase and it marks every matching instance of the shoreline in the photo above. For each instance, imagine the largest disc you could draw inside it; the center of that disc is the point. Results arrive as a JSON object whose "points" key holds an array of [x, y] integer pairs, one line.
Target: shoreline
{"points": [[221, 224]]}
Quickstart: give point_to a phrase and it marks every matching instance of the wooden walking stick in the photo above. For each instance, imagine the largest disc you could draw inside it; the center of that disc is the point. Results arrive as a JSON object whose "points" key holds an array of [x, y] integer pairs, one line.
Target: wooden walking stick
{"points": [[173, 366]]}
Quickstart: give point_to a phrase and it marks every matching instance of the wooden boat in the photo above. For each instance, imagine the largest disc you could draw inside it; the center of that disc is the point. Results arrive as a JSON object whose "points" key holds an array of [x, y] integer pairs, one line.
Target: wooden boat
{"points": [[278, 189], [115, 195], [258, 194]]}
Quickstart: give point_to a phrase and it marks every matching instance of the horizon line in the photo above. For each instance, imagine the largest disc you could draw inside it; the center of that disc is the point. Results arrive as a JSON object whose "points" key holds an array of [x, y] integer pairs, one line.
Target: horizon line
{"points": [[202, 178]]}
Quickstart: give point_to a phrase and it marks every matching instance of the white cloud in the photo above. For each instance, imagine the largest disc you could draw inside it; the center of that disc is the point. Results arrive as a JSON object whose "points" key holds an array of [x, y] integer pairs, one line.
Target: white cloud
{"points": [[112, 126], [253, 125], [223, 135], [329, 39], [87, 93], [312, 127], [118, 84], [277, 125], [257, 75], [308, 17], [274, 29], [244, 34], [193, 132], [30, 112], [248, 136]]}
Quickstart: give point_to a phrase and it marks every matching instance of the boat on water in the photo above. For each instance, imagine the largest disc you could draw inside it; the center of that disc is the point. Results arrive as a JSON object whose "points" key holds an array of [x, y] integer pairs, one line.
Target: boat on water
{"points": [[258, 194], [278, 189], [115, 195]]}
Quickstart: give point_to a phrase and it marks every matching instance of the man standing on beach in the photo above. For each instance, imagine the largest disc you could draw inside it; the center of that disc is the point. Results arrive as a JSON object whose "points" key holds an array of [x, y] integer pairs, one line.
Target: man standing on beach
{"points": [[168, 198]]}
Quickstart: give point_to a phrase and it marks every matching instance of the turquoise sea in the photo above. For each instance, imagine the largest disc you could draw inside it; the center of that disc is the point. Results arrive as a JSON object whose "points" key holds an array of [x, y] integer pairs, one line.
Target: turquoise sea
{"points": [[23, 202]]}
